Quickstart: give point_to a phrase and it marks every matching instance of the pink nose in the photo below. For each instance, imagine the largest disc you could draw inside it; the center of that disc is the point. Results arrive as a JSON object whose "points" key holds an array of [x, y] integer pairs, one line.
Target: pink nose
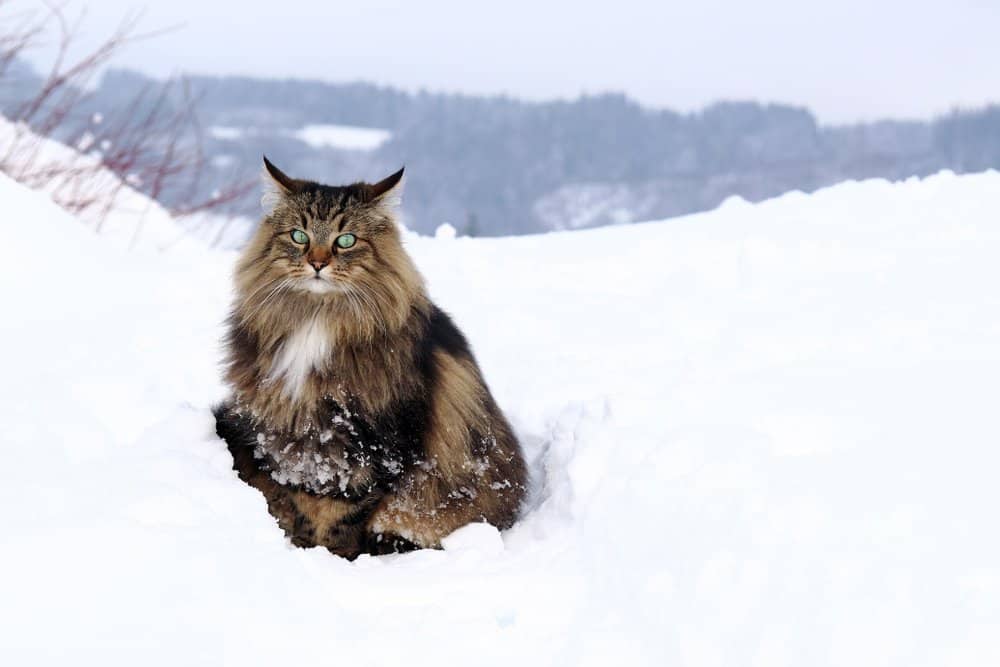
{"points": [[318, 264]]}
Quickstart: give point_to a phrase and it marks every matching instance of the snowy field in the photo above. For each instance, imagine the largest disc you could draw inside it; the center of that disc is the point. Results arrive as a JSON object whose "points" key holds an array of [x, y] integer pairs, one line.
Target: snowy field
{"points": [[764, 435], [347, 137], [344, 137]]}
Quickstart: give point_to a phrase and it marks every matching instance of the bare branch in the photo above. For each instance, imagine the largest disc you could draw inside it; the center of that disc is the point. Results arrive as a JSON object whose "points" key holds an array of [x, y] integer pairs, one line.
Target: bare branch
{"points": [[152, 144]]}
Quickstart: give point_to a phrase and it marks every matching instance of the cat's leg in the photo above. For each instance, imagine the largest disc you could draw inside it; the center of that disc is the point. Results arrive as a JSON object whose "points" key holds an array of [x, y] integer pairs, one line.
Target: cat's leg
{"points": [[382, 544], [279, 501], [308, 519], [311, 520], [304, 518], [426, 505], [423, 509], [471, 467], [335, 523]]}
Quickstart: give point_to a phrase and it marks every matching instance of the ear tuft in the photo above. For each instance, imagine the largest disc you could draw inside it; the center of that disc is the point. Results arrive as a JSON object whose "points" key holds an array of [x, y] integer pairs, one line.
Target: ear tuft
{"points": [[285, 184], [385, 190]]}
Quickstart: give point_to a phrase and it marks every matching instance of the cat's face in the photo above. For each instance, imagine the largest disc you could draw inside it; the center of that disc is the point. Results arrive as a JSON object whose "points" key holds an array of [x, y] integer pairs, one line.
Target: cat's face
{"points": [[327, 243], [325, 240]]}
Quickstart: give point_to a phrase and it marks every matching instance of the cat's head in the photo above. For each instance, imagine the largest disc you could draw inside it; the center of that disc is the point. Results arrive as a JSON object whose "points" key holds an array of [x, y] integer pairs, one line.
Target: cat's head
{"points": [[328, 243]]}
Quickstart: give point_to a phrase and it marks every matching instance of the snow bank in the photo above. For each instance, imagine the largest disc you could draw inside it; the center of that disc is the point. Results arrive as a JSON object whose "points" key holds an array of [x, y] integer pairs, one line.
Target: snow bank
{"points": [[761, 435], [226, 132], [124, 216], [317, 135], [347, 137]]}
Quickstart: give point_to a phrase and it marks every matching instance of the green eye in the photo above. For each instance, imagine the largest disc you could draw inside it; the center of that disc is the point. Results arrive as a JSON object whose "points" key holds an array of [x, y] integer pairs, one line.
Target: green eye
{"points": [[346, 240], [300, 236]]}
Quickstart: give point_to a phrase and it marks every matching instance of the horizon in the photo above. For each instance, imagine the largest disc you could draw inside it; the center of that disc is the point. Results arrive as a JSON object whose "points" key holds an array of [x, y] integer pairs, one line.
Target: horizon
{"points": [[846, 63]]}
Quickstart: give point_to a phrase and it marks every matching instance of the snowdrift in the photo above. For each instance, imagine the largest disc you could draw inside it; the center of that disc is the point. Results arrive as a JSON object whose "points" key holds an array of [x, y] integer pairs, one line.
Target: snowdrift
{"points": [[761, 435]]}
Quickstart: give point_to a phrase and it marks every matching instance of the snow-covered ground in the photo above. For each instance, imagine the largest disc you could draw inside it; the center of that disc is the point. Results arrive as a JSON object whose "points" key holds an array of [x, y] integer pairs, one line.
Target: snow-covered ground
{"points": [[347, 137], [226, 132], [763, 435], [318, 135]]}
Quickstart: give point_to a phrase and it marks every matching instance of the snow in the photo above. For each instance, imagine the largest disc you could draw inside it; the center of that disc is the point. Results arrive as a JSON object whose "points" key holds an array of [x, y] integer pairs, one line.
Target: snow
{"points": [[125, 217], [226, 132], [761, 435], [317, 135], [445, 231], [347, 137]]}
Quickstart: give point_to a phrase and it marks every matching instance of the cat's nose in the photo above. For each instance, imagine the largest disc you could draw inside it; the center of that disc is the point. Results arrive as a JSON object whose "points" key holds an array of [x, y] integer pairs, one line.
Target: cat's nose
{"points": [[318, 264]]}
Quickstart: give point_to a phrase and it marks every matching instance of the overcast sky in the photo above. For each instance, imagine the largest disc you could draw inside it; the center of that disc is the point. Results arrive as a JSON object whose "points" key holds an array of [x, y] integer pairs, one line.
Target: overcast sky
{"points": [[845, 59]]}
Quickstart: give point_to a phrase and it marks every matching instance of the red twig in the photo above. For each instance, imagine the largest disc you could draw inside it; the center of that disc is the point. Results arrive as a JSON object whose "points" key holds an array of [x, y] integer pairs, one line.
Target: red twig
{"points": [[153, 143]]}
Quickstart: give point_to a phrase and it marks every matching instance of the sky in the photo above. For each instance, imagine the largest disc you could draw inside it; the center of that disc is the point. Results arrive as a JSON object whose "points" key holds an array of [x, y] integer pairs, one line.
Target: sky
{"points": [[846, 60]]}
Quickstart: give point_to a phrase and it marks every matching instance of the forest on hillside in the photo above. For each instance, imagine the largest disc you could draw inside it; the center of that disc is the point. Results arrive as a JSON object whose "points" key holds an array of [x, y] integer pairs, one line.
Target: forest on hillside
{"points": [[495, 165]]}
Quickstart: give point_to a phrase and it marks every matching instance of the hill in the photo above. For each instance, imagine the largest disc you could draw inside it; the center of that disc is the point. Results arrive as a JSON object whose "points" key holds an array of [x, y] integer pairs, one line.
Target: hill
{"points": [[498, 166], [764, 434]]}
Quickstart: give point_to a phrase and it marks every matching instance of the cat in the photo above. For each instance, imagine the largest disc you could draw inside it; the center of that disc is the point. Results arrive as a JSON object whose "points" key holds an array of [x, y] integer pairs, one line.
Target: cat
{"points": [[357, 406]]}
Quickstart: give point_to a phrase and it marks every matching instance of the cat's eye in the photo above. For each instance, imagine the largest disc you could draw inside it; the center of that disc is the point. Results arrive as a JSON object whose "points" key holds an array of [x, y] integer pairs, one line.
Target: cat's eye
{"points": [[300, 236], [346, 240]]}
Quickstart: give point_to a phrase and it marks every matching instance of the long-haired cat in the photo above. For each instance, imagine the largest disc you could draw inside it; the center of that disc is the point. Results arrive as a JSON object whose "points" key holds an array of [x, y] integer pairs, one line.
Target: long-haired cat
{"points": [[358, 409]]}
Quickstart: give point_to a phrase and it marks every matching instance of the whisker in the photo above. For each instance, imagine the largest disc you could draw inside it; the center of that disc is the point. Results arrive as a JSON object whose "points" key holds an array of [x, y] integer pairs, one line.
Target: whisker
{"points": [[280, 287], [356, 305], [372, 308]]}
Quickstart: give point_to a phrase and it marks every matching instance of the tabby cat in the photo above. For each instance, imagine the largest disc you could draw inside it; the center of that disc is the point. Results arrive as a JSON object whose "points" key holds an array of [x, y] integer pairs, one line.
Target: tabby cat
{"points": [[357, 407]]}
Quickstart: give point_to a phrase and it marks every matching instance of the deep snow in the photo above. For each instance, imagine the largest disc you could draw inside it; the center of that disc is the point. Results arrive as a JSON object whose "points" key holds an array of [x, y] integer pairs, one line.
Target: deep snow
{"points": [[764, 435]]}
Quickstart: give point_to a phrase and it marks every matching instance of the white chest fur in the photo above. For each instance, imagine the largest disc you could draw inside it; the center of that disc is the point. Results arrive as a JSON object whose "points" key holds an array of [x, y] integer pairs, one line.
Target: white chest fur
{"points": [[306, 349]]}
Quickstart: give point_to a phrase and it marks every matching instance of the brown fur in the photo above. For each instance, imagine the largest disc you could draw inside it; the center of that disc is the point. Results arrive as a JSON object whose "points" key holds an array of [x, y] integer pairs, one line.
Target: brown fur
{"points": [[339, 362]]}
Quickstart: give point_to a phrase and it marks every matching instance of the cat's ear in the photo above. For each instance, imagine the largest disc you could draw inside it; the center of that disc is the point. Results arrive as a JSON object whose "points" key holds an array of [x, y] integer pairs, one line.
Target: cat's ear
{"points": [[283, 183], [387, 191]]}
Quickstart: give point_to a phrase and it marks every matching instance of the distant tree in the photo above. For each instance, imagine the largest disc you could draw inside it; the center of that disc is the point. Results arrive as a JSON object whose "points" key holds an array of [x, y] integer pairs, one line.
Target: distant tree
{"points": [[471, 225]]}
